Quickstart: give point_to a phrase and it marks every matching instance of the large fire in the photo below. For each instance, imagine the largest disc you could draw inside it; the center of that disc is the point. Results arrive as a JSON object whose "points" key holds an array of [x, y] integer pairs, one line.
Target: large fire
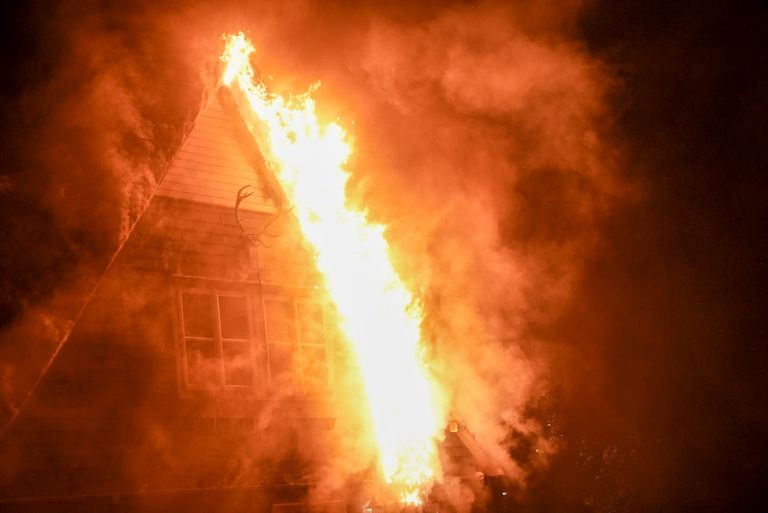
{"points": [[379, 317]]}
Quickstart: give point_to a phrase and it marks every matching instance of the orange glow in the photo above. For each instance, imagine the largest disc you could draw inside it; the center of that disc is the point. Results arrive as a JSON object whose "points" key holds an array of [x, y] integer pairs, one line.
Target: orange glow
{"points": [[379, 317]]}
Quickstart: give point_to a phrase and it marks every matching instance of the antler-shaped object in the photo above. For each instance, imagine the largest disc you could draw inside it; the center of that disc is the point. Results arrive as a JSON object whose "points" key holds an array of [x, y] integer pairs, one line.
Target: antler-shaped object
{"points": [[254, 239]]}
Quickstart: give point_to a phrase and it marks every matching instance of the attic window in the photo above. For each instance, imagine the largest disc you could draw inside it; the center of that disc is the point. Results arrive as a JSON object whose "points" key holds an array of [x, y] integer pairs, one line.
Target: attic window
{"points": [[218, 343]]}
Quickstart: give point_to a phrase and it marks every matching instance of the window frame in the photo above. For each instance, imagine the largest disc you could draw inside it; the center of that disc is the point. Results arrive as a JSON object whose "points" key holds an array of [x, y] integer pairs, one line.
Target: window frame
{"points": [[255, 293], [214, 289], [295, 300]]}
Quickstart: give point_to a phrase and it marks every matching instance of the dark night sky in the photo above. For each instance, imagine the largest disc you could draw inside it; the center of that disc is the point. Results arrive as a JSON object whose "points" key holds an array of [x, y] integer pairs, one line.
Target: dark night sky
{"points": [[680, 302], [662, 378]]}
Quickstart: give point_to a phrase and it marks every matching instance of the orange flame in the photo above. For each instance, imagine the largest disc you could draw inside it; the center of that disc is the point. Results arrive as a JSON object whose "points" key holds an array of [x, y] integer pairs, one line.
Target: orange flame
{"points": [[379, 318]]}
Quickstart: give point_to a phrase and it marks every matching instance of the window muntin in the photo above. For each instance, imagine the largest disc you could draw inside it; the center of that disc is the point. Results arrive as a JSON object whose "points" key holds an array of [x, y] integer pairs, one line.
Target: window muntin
{"points": [[217, 336]]}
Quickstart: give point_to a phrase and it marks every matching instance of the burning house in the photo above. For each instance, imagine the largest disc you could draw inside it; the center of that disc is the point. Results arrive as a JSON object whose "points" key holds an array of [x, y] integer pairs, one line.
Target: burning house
{"points": [[213, 333], [201, 373], [509, 260]]}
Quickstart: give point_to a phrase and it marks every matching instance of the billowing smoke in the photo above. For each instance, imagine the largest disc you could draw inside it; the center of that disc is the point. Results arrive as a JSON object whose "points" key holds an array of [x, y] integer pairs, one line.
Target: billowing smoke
{"points": [[492, 169], [480, 143], [484, 140]]}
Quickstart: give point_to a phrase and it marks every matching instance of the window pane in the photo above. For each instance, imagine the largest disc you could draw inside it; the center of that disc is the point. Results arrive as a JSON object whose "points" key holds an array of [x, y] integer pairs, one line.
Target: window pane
{"points": [[202, 362], [238, 366], [198, 318], [310, 323], [282, 371], [233, 312], [281, 320], [314, 368]]}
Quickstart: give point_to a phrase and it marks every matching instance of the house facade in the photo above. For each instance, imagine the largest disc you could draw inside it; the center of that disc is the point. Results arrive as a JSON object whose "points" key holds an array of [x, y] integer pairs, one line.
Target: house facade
{"points": [[197, 378]]}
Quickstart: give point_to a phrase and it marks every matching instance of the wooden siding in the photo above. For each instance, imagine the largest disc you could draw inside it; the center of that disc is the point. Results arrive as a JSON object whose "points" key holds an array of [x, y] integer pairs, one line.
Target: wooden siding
{"points": [[182, 237], [214, 163]]}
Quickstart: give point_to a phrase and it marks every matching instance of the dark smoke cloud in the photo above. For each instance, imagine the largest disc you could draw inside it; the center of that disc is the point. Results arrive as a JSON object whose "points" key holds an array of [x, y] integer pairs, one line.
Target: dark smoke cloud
{"points": [[574, 189], [91, 116]]}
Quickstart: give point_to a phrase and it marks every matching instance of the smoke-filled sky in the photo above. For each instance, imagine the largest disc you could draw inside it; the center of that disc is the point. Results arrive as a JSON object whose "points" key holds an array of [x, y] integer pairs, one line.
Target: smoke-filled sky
{"points": [[577, 187]]}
